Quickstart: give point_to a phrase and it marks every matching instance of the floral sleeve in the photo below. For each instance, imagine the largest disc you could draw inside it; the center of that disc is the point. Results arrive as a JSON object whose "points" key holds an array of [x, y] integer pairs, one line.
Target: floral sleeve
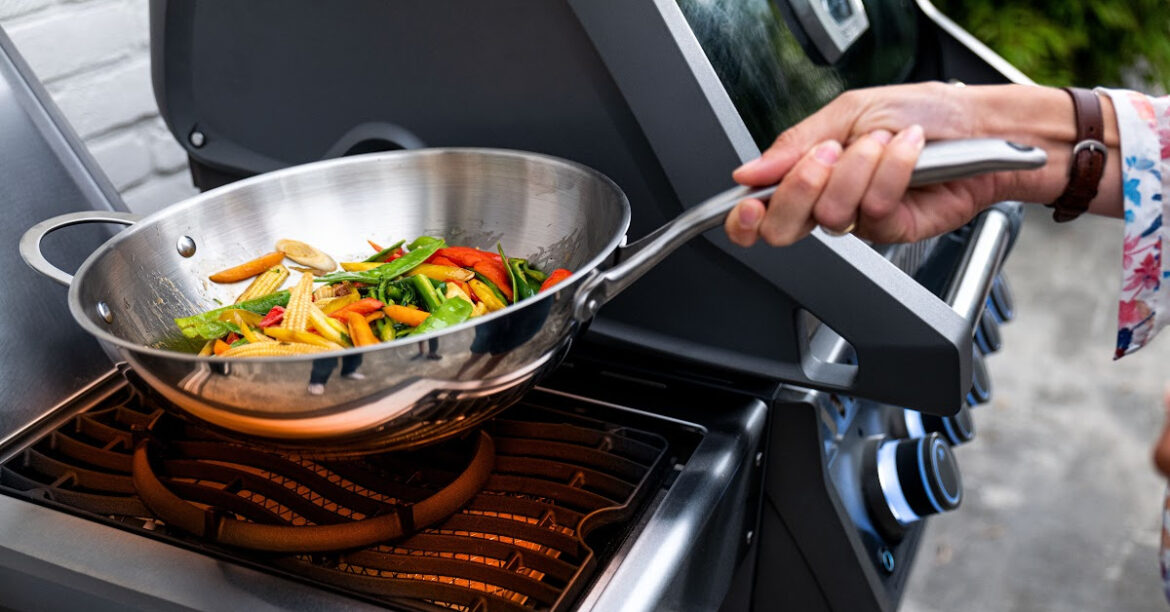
{"points": [[1144, 306]]}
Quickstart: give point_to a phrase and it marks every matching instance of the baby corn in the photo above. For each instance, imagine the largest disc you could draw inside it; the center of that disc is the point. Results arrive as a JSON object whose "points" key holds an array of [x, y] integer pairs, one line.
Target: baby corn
{"points": [[272, 349], [296, 314], [268, 282]]}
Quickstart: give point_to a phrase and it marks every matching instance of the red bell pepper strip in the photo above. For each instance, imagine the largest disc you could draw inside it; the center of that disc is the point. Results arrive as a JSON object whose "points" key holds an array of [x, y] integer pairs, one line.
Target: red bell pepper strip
{"points": [[363, 307], [274, 317], [467, 257], [439, 260], [557, 276], [495, 272], [395, 254]]}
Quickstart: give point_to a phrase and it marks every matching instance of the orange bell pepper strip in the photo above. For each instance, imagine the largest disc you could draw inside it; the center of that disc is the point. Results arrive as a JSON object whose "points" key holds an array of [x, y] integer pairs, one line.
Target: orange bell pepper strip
{"points": [[406, 315], [220, 347], [557, 276], [363, 307], [374, 316], [359, 331], [248, 269], [495, 272]]}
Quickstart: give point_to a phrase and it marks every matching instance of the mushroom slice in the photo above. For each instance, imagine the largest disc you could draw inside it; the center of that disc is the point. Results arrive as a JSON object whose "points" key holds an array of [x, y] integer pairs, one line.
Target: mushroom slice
{"points": [[306, 255]]}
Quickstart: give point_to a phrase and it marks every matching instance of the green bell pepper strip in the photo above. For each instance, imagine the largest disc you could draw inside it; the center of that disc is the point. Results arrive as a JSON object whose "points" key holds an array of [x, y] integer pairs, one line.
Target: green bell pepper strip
{"points": [[453, 312], [426, 292], [387, 271], [207, 326], [532, 273], [384, 252]]}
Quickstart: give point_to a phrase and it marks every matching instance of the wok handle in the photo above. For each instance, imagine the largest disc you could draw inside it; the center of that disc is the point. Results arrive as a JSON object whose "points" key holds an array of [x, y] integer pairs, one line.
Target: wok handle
{"points": [[939, 162], [30, 242]]}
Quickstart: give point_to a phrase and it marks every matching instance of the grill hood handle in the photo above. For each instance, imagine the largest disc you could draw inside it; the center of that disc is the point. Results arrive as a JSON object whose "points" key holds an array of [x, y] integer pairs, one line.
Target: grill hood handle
{"points": [[939, 162]]}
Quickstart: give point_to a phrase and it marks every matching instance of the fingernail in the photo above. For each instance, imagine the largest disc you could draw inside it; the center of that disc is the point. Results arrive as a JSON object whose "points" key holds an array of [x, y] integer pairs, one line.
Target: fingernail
{"points": [[749, 165], [749, 216], [882, 136], [914, 135], [828, 152]]}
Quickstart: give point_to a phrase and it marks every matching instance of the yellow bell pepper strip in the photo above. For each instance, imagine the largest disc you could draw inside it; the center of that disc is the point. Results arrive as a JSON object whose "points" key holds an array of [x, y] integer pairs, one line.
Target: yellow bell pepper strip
{"points": [[207, 348], [245, 329], [329, 329], [484, 294], [359, 331], [453, 312], [341, 302], [303, 337], [405, 314], [443, 273], [248, 269], [251, 318]]}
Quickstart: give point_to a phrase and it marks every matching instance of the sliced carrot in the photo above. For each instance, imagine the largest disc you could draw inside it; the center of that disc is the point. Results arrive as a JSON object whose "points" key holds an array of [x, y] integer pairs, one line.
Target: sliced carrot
{"points": [[377, 249], [495, 272], [374, 316], [220, 347], [248, 269], [557, 276], [405, 314], [359, 331]]}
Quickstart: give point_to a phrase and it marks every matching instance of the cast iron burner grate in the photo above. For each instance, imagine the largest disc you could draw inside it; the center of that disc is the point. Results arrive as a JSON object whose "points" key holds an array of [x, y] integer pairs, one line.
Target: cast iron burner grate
{"points": [[519, 543]]}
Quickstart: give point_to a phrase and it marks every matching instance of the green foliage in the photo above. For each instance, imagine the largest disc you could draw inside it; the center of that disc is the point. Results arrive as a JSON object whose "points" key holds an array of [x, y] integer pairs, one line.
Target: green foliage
{"points": [[1067, 42]]}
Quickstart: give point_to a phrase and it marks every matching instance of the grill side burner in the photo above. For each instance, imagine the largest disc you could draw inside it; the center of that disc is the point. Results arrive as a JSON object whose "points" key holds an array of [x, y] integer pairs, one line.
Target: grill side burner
{"points": [[523, 542]]}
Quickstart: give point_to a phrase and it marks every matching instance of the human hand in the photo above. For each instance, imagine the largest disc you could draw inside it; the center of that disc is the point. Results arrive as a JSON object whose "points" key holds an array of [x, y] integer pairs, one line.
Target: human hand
{"points": [[848, 166]]}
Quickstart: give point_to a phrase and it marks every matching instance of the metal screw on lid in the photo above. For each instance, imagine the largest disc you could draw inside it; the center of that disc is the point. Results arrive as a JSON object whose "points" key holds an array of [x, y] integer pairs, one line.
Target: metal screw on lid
{"points": [[196, 138]]}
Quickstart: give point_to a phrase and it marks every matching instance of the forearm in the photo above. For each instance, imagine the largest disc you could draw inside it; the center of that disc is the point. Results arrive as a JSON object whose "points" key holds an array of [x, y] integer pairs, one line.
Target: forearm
{"points": [[1043, 117]]}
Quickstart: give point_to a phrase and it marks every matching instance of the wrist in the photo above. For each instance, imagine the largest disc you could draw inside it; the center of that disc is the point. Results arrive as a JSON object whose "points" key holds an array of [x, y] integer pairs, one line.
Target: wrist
{"points": [[1044, 117]]}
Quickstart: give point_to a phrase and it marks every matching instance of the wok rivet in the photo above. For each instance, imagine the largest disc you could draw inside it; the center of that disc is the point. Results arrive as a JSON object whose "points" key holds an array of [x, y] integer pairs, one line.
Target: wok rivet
{"points": [[186, 246], [103, 310], [197, 138], [759, 458], [751, 535]]}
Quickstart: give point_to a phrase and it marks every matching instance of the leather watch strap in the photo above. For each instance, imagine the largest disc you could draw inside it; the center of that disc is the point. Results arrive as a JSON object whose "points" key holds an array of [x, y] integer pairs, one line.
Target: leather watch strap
{"points": [[1088, 158]]}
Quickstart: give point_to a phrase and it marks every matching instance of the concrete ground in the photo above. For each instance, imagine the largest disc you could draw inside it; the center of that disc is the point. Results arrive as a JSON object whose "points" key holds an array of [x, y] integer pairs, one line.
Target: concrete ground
{"points": [[1062, 505]]}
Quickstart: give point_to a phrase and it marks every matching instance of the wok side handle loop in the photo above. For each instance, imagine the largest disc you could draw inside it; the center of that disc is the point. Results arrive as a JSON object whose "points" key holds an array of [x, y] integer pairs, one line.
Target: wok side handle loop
{"points": [[30, 242], [939, 162]]}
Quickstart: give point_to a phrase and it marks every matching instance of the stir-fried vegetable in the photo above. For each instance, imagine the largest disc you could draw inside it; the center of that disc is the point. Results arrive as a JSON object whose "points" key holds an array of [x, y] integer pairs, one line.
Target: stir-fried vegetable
{"points": [[403, 290]]}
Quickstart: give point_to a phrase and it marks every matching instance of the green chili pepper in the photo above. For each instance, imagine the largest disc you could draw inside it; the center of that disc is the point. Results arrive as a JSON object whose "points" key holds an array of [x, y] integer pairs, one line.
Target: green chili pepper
{"points": [[511, 273], [524, 287], [453, 312], [207, 326], [387, 271], [384, 329], [384, 252], [426, 292]]}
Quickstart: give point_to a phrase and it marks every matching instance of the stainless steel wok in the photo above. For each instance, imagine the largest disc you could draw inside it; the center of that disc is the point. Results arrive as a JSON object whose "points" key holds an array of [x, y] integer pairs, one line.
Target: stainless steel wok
{"points": [[415, 390]]}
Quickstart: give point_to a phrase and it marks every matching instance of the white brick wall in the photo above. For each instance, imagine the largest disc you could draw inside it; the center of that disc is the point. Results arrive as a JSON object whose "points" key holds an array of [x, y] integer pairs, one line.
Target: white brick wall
{"points": [[94, 58]]}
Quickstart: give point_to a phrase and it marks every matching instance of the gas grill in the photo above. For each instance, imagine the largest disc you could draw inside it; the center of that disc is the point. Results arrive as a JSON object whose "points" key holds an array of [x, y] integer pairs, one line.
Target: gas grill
{"points": [[786, 456]]}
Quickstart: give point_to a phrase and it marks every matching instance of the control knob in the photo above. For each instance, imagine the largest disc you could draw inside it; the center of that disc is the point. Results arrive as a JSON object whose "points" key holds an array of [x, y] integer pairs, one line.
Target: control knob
{"points": [[980, 381], [956, 430], [987, 336], [906, 480], [1002, 303]]}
